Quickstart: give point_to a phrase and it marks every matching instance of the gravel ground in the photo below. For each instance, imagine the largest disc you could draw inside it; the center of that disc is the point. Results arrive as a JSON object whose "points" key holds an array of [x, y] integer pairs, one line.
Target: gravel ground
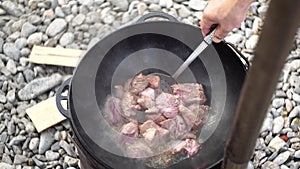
{"points": [[79, 24]]}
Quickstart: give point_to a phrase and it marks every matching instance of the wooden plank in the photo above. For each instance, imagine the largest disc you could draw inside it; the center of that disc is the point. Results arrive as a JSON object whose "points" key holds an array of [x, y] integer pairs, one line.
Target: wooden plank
{"points": [[45, 114], [55, 56]]}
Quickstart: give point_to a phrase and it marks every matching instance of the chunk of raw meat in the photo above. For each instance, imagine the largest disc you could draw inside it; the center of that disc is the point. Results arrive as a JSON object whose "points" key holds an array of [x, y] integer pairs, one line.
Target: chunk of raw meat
{"points": [[188, 116], [139, 83], [154, 81], [151, 124], [156, 136], [147, 98], [190, 92], [177, 146], [130, 129], [150, 134], [167, 104], [138, 149], [202, 113], [129, 105], [176, 126], [113, 111], [192, 146]]}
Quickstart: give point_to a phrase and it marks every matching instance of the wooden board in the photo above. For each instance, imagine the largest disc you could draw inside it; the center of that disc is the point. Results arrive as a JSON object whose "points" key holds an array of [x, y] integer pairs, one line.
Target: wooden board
{"points": [[45, 114], [55, 56]]}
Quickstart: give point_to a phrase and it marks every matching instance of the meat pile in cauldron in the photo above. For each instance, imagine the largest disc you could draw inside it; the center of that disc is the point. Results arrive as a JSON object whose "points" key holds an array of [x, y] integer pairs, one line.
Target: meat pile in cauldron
{"points": [[153, 122]]}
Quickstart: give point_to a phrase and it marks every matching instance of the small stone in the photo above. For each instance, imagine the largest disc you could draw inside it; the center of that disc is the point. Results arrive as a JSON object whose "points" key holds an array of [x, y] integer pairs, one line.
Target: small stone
{"points": [[35, 39], [66, 39], [34, 19], [12, 8], [154, 7], [234, 38], [11, 51], [56, 27], [25, 52], [11, 66], [108, 19], [295, 83], [51, 156], [262, 10], [17, 140], [19, 159], [78, 20], [27, 29], [2, 12], [278, 102], [46, 140], [297, 154], [39, 86], [281, 158], [70, 161], [6, 166], [6, 159], [11, 128], [166, 3], [151, 1], [86, 2], [267, 125], [55, 146], [295, 65], [2, 97], [67, 148], [276, 144], [270, 165], [296, 97], [11, 96], [29, 75], [121, 4], [251, 42], [34, 143], [21, 43], [59, 12], [288, 105], [295, 124], [295, 112], [197, 5], [1, 45], [278, 124], [184, 11]]}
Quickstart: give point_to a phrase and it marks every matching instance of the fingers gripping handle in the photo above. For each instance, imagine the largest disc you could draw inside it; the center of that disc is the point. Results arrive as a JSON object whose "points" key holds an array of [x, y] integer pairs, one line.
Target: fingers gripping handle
{"points": [[59, 97], [157, 14]]}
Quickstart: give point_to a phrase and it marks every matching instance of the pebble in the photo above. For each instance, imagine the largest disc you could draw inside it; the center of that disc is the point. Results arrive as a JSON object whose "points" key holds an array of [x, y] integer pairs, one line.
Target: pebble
{"points": [[282, 158], [154, 7], [11, 96], [11, 8], [27, 29], [70, 161], [34, 143], [151, 1], [295, 124], [11, 51], [78, 20], [288, 105], [11, 66], [2, 97], [166, 3], [297, 154], [235, 39], [17, 140], [63, 144], [1, 44], [6, 159], [56, 27], [295, 83], [120, 4], [51, 156], [270, 165], [38, 86], [197, 5], [59, 12], [184, 11], [86, 2], [34, 19], [295, 112], [46, 140], [295, 65], [278, 124], [66, 39], [21, 43], [267, 125], [276, 144], [19, 159], [251, 42], [296, 97], [4, 165], [278, 102]]}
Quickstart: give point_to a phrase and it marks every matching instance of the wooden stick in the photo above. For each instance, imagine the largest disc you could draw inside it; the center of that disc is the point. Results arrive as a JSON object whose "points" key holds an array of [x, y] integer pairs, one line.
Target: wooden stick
{"points": [[55, 56], [275, 42], [45, 114]]}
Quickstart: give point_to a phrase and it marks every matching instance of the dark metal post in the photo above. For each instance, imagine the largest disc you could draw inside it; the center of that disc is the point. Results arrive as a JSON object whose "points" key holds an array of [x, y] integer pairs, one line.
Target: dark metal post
{"points": [[282, 21]]}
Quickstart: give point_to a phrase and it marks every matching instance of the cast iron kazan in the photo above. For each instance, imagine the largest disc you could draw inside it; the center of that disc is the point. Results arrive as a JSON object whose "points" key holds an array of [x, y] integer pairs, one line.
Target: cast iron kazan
{"points": [[149, 47]]}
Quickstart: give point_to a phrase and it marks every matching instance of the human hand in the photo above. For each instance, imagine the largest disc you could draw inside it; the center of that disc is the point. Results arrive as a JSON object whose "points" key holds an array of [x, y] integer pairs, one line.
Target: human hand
{"points": [[227, 14]]}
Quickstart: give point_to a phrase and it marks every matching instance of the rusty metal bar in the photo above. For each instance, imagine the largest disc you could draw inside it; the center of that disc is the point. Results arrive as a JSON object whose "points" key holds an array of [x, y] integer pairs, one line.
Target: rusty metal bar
{"points": [[282, 21]]}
